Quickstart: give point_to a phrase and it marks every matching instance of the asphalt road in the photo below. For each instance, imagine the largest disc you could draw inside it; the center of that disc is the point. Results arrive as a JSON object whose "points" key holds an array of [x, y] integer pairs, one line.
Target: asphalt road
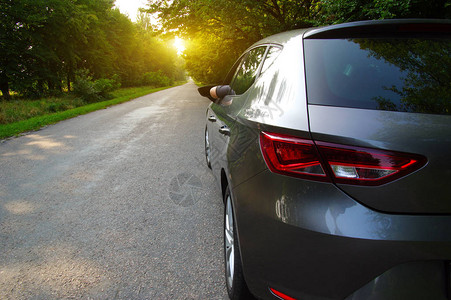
{"points": [[116, 204]]}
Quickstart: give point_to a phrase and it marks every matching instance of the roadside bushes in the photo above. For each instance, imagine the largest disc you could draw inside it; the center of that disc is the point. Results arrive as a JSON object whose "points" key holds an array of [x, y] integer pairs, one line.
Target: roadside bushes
{"points": [[156, 79], [93, 91], [90, 90]]}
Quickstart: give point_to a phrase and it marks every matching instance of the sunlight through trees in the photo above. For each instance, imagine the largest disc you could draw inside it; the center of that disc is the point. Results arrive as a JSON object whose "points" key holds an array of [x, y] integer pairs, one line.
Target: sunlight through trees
{"points": [[44, 43]]}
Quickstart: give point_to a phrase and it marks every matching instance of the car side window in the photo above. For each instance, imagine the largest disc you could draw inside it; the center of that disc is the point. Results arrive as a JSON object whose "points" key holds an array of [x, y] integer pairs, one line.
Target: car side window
{"points": [[273, 53], [247, 70]]}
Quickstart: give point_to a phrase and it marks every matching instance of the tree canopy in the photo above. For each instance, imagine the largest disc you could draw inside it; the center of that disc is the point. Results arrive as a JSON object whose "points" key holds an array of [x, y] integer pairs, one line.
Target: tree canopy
{"points": [[218, 31], [43, 43]]}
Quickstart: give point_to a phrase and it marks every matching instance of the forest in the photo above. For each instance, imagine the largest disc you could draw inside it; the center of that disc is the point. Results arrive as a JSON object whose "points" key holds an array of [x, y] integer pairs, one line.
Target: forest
{"points": [[54, 46], [51, 46]]}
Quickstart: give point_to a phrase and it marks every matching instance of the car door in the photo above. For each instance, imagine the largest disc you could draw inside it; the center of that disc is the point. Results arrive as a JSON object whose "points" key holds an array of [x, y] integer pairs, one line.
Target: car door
{"points": [[221, 117]]}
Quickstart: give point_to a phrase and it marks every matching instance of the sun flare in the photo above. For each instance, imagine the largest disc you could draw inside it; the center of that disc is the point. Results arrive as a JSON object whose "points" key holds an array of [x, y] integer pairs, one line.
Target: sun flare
{"points": [[179, 44]]}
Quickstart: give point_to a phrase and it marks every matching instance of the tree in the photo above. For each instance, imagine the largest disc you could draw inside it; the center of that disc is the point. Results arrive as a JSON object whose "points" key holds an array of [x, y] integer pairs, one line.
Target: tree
{"points": [[339, 11], [218, 31], [43, 40], [43, 43], [16, 40]]}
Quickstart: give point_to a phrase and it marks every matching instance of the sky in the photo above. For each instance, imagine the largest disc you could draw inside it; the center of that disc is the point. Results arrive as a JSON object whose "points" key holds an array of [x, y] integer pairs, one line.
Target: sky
{"points": [[130, 7]]}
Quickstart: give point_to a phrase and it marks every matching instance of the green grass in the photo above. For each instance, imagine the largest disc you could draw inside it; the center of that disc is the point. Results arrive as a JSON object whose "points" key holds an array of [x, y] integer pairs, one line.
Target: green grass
{"points": [[18, 116]]}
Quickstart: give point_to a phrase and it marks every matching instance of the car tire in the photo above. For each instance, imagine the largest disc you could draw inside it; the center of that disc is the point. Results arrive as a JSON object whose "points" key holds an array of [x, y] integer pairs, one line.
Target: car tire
{"points": [[207, 148], [236, 285]]}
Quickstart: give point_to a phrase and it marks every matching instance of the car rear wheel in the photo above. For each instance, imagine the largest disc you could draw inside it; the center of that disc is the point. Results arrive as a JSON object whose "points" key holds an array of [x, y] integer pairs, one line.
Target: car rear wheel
{"points": [[236, 286], [207, 148]]}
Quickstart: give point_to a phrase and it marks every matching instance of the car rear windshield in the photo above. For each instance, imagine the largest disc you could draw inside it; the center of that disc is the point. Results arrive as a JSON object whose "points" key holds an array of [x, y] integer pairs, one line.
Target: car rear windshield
{"points": [[396, 74]]}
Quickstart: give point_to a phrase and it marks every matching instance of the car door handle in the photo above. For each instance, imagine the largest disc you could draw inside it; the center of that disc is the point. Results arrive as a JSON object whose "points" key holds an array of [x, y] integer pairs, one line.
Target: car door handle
{"points": [[224, 130], [212, 118]]}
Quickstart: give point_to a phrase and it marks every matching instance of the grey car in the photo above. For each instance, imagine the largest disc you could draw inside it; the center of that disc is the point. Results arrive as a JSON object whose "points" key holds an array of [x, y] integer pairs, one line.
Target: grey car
{"points": [[332, 148]]}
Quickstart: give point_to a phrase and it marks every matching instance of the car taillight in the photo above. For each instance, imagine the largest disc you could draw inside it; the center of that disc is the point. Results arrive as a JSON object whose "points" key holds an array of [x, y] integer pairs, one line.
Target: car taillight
{"points": [[292, 156], [322, 161]]}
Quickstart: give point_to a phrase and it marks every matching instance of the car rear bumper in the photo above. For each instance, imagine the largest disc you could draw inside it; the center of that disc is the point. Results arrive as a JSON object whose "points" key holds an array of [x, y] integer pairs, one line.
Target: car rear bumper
{"points": [[310, 240]]}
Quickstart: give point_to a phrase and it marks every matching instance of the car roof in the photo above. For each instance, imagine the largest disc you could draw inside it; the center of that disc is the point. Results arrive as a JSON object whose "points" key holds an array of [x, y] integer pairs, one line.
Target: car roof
{"points": [[373, 27], [281, 38]]}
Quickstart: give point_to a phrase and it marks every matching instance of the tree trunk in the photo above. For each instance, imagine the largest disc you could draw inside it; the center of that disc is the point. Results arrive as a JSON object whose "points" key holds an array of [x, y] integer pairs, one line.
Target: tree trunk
{"points": [[68, 83], [40, 88], [69, 77], [4, 87], [51, 85]]}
